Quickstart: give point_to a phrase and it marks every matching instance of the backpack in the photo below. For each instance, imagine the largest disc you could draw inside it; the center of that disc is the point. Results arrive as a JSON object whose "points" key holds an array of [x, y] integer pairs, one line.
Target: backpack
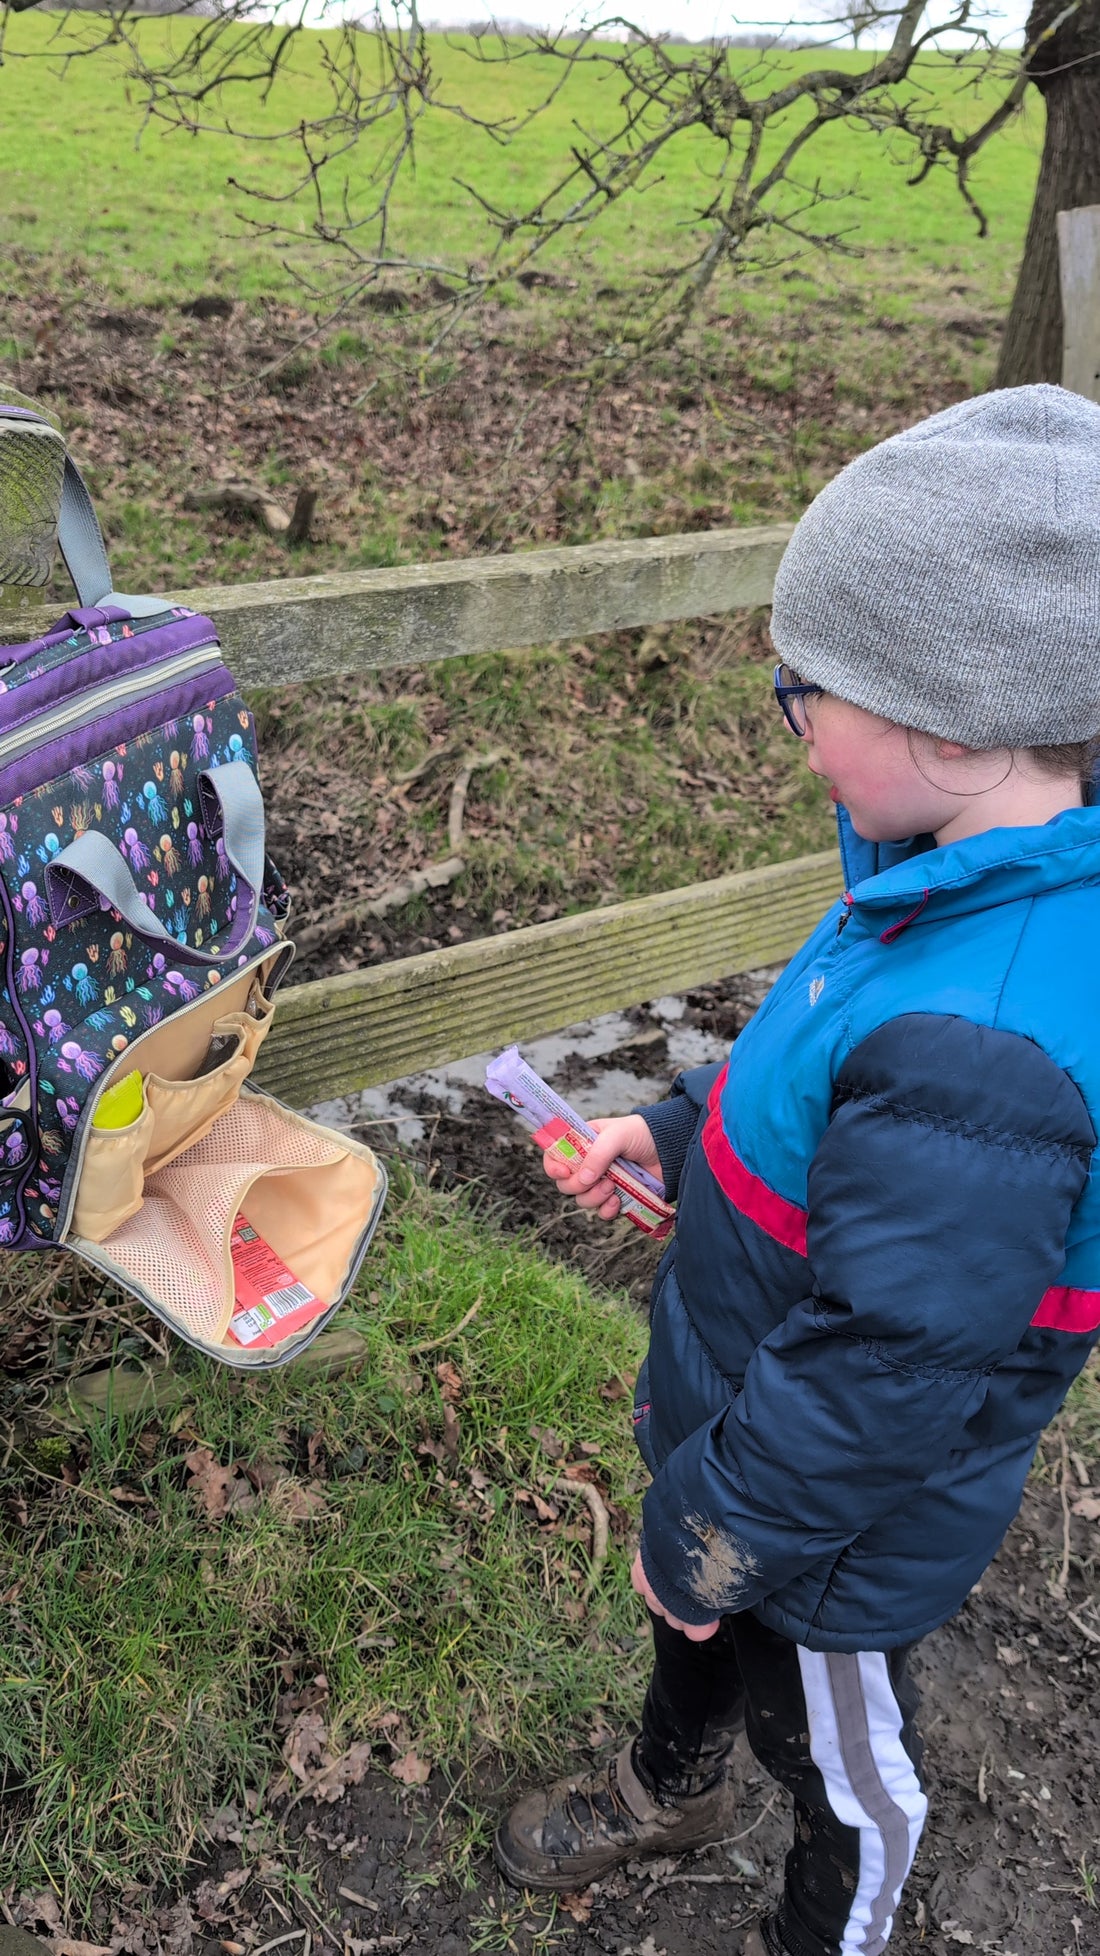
{"points": [[142, 936]]}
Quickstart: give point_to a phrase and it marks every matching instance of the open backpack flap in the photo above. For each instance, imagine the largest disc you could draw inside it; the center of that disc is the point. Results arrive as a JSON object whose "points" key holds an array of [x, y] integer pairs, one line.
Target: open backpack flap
{"points": [[142, 935]]}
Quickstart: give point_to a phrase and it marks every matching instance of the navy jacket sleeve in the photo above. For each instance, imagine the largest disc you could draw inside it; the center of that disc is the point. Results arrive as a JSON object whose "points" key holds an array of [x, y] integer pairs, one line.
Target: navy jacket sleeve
{"points": [[939, 1199], [673, 1122]]}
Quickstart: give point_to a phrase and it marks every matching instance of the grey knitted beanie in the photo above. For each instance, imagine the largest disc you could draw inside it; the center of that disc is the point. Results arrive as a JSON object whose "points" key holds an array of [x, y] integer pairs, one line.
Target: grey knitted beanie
{"points": [[949, 579]]}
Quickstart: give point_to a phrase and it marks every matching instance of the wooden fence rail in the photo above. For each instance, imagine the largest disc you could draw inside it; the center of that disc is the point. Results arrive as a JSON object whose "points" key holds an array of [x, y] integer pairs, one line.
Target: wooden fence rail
{"points": [[299, 628], [366, 1027]]}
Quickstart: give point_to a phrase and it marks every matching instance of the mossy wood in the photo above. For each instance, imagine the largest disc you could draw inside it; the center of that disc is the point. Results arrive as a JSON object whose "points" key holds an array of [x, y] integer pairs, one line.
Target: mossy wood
{"points": [[298, 628], [360, 1029], [1079, 269], [124, 1390]]}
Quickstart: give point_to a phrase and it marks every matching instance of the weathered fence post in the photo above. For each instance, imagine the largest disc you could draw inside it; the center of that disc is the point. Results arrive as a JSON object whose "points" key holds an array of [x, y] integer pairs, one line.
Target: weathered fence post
{"points": [[32, 462], [1079, 267]]}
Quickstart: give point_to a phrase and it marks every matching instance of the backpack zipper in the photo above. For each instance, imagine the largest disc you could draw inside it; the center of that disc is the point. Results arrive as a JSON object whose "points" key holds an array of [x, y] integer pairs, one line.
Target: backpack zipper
{"points": [[93, 705]]}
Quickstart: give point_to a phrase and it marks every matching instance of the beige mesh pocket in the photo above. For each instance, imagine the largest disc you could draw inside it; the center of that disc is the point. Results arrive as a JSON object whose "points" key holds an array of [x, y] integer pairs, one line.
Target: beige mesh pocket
{"points": [[111, 1177], [185, 1110], [309, 1191]]}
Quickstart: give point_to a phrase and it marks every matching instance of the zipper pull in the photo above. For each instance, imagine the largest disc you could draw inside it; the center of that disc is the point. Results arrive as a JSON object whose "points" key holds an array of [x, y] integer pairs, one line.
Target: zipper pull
{"points": [[849, 901]]}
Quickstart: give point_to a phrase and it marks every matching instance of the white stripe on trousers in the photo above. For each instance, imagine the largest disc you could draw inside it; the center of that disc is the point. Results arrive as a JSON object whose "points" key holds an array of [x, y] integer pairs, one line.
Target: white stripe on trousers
{"points": [[855, 1742]]}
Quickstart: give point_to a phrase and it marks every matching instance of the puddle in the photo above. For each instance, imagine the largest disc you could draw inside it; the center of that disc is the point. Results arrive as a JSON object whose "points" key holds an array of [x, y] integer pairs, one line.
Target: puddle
{"points": [[462, 1138], [565, 1059]]}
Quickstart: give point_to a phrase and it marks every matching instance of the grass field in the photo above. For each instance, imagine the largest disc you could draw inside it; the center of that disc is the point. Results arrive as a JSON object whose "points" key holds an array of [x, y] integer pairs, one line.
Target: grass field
{"points": [[397, 1532], [150, 212]]}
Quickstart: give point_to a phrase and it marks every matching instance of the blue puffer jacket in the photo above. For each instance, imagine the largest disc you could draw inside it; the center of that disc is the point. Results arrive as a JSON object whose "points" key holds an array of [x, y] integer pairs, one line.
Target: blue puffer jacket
{"points": [[886, 1269]]}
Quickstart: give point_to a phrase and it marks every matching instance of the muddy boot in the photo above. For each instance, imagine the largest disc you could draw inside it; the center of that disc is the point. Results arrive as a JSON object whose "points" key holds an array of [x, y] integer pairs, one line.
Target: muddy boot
{"points": [[763, 1939], [565, 1835]]}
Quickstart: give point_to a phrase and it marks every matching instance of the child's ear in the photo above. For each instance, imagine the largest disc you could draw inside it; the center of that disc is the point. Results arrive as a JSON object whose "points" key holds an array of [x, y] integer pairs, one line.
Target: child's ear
{"points": [[953, 750]]}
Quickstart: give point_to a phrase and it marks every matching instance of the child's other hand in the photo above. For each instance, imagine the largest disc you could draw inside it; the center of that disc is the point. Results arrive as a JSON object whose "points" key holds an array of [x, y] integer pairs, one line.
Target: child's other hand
{"points": [[696, 1633], [626, 1135]]}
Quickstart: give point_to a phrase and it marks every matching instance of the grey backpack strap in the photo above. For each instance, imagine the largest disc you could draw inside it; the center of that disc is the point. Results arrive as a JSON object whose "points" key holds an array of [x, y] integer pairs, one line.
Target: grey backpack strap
{"points": [[92, 873], [85, 554], [80, 537]]}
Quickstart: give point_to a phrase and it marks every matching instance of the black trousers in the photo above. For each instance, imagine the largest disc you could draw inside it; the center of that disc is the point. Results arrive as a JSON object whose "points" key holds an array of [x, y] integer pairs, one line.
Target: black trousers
{"points": [[836, 1729]]}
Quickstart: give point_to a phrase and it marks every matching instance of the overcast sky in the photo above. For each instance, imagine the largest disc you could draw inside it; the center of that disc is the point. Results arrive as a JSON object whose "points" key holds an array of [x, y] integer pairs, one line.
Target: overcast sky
{"points": [[696, 19]]}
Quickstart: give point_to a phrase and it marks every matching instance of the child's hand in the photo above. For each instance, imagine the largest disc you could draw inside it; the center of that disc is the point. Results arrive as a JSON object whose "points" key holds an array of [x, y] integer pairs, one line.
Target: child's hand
{"points": [[696, 1633], [626, 1135]]}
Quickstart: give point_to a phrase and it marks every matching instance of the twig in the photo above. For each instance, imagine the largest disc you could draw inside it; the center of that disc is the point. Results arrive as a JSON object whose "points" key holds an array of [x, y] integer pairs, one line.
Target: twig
{"points": [[432, 759], [429, 1344], [1092, 1635], [1058, 1583], [459, 791], [601, 1527], [291, 1935], [730, 1840]]}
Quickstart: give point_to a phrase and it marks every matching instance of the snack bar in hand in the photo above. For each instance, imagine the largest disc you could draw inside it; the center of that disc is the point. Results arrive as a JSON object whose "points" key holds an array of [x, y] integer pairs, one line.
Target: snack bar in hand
{"points": [[558, 1127]]}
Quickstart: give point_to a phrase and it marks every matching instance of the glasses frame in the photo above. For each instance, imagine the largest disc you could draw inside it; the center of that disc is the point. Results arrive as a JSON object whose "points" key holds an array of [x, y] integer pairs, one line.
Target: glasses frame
{"points": [[792, 694]]}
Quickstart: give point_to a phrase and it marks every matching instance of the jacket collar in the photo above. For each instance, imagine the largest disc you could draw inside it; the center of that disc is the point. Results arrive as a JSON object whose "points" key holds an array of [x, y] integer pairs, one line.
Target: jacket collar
{"points": [[998, 866]]}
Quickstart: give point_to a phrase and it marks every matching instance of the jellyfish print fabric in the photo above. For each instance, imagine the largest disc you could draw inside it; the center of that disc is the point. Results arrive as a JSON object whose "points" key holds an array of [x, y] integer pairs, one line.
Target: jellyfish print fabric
{"points": [[127, 782]]}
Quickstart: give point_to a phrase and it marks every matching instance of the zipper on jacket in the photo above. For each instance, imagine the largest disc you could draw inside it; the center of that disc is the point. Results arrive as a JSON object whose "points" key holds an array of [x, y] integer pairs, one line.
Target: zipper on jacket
{"points": [[92, 706], [845, 913]]}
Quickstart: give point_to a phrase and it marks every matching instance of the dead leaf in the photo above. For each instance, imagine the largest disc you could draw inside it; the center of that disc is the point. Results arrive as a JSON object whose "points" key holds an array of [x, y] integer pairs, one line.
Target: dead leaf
{"points": [[305, 1747], [579, 1906], [450, 1381], [224, 1825], [41, 1907], [217, 1489], [547, 1440], [66, 1946], [411, 1769], [178, 1931], [1088, 1507], [349, 1770], [295, 1502], [451, 1430]]}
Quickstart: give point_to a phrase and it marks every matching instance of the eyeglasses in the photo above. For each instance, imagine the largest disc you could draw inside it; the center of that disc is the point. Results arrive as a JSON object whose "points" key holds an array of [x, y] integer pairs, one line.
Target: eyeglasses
{"points": [[792, 694]]}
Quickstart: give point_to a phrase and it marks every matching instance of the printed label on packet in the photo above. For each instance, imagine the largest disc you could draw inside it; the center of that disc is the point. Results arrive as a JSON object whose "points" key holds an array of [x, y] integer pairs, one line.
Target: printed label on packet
{"points": [[555, 1124], [270, 1301], [648, 1212]]}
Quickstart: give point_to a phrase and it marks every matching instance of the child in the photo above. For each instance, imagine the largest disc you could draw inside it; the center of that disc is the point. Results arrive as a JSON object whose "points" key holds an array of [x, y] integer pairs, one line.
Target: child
{"points": [[886, 1269]]}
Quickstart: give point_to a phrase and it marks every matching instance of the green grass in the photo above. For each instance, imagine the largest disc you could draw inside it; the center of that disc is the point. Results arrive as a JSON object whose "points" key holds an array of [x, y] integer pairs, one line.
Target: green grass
{"points": [[145, 1646], [86, 185]]}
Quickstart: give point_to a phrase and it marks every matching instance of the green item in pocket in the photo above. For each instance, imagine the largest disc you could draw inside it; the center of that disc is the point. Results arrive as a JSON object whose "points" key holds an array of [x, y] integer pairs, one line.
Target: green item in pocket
{"points": [[120, 1105]]}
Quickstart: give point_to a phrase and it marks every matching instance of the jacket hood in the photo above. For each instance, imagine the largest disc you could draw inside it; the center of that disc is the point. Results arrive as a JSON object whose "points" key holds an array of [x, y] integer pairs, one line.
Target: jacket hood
{"points": [[999, 866]]}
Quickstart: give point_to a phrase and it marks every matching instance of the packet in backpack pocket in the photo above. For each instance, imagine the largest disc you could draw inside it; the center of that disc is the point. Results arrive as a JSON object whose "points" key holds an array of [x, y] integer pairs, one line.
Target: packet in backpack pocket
{"points": [[270, 1301]]}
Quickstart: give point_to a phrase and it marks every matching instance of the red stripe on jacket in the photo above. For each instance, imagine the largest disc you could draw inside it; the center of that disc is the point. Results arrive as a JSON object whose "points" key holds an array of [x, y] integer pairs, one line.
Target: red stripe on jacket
{"points": [[1061, 1308], [776, 1217]]}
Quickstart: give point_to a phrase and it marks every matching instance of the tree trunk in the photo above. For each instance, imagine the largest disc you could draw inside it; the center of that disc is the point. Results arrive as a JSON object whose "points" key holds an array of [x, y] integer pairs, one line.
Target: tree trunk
{"points": [[1066, 69]]}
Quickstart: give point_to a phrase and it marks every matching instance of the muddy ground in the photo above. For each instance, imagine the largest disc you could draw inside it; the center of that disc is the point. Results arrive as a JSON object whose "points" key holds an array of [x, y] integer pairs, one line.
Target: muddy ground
{"points": [[1011, 1714]]}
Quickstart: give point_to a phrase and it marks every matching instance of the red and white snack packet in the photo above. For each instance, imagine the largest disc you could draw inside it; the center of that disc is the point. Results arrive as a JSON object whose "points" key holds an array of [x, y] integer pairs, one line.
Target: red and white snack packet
{"points": [[270, 1304], [647, 1211]]}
